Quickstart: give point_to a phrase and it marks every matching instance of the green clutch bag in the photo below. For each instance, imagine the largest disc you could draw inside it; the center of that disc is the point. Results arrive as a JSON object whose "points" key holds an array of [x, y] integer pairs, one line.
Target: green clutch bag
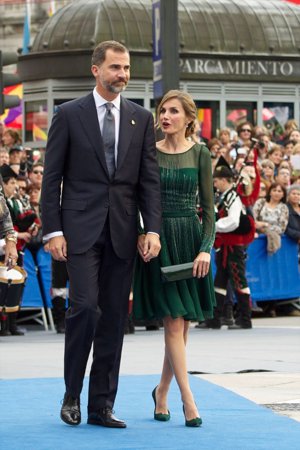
{"points": [[177, 272]]}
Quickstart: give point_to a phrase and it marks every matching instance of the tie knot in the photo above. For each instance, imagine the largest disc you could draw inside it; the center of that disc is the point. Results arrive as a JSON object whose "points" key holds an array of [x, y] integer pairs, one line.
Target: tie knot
{"points": [[109, 106]]}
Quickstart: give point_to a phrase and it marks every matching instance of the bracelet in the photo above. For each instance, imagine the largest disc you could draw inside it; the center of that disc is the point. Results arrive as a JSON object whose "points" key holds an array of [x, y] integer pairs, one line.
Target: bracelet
{"points": [[11, 237]]}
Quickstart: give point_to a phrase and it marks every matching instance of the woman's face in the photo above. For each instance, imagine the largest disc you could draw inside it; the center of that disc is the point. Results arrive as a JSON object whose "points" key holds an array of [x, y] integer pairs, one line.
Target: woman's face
{"points": [[172, 117], [295, 135], [262, 190], [34, 196], [268, 172], [224, 138], [276, 194], [288, 149], [245, 132], [294, 197], [276, 157], [8, 140]]}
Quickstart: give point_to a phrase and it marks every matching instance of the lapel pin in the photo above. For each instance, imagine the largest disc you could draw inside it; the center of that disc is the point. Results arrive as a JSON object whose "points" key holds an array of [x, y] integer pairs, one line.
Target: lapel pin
{"points": [[133, 122]]}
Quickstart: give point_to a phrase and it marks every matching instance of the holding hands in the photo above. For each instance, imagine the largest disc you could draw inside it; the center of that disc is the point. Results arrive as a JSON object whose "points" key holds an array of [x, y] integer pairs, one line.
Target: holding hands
{"points": [[148, 246]]}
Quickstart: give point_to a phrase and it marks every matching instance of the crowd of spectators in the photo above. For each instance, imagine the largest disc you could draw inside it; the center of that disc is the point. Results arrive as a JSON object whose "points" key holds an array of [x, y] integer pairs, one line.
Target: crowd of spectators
{"points": [[276, 207], [250, 150]]}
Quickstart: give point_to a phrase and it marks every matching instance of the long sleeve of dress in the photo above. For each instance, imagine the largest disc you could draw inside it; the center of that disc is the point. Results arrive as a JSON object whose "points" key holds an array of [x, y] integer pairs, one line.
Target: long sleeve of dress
{"points": [[206, 198]]}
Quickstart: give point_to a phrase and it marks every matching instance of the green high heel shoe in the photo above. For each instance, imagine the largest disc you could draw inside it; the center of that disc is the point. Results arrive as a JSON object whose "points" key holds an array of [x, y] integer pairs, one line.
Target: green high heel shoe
{"points": [[196, 422], [159, 416]]}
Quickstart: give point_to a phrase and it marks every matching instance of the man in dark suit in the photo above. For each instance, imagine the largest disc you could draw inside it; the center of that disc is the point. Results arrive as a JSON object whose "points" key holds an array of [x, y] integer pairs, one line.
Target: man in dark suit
{"points": [[91, 223]]}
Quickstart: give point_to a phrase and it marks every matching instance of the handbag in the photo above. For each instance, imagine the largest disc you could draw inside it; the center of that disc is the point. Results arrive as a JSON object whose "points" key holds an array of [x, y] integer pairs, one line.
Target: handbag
{"points": [[177, 272]]}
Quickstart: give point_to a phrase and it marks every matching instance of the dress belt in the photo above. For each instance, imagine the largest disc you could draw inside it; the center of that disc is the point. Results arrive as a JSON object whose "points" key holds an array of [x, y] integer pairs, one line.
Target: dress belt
{"points": [[182, 213]]}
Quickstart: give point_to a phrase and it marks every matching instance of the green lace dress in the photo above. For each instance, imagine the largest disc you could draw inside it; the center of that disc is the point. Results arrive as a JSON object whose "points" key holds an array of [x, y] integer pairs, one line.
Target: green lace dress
{"points": [[186, 179]]}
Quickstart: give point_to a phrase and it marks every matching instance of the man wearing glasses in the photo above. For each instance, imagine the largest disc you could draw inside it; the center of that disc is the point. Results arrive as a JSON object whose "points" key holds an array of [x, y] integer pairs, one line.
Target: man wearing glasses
{"points": [[36, 174]]}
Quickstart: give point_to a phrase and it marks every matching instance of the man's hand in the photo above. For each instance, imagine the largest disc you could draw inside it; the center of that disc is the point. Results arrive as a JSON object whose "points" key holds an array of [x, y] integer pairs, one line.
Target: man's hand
{"points": [[58, 248], [151, 247]]}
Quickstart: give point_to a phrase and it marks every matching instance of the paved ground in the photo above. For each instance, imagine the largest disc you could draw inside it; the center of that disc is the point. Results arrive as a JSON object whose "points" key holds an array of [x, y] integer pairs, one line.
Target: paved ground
{"points": [[262, 364]]}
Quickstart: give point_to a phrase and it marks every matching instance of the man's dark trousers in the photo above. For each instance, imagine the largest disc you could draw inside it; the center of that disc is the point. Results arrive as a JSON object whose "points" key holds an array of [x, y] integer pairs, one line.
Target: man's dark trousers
{"points": [[99, 291]]}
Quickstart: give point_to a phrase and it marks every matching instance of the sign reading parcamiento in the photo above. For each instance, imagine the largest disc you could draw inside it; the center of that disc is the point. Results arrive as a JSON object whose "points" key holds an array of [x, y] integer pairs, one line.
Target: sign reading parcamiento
{"points": [[242, 68]]}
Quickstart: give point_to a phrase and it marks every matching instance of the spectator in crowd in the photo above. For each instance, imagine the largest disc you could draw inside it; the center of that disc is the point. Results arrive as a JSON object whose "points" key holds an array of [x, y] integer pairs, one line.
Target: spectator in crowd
{"points": [[59, 293], [196, 136], [15, 158], [231, 251], [245, 134], [289, 126], [271, 216], [4, 156], [225, 139], [283, 177], [35, 175], [2, 128], [262, 189], [15, 209], [276, 155], [267, 171], [293, 204], [294, 136], [22, 183], [288, 149], [10, 138], [264, 145], [295, 162], [258, 130]]}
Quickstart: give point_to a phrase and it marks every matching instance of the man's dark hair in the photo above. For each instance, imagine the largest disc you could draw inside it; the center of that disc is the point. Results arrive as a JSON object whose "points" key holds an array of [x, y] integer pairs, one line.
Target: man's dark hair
{"points": [[99, 52]]}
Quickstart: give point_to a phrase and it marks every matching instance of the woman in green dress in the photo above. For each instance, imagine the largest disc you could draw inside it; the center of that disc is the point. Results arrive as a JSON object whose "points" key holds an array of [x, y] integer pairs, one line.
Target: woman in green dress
{"points": [[186, 184]]}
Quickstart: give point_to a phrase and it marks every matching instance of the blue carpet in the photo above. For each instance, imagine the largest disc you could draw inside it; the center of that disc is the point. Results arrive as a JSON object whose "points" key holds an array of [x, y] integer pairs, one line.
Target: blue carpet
{"points": [[29, 419]]}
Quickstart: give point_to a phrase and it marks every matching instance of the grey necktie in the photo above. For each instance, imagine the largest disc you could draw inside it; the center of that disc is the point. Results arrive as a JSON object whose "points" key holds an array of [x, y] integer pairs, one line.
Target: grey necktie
{"points": [[108, 135]]}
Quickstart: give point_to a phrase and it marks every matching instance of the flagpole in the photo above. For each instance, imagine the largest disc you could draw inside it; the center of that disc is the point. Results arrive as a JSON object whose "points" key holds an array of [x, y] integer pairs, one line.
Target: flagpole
{"points": [[26, 28]]}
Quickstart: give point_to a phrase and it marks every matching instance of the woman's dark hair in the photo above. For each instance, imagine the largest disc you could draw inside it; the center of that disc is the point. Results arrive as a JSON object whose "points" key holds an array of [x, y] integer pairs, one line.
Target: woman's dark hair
{"points": [[274, 186]]}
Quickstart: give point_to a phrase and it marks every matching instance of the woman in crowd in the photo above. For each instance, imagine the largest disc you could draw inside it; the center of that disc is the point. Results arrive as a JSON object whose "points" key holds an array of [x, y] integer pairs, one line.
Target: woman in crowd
{"points": [[271, 215], [276, 156], [10, 138], [185, 169], [267, 171], [293, 203], [245, 134]]}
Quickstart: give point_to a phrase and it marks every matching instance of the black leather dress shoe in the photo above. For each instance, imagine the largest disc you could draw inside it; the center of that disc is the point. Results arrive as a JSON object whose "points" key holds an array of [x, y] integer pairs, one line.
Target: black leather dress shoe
{"points": [[237, 326], [70, 410], [105, 418]]}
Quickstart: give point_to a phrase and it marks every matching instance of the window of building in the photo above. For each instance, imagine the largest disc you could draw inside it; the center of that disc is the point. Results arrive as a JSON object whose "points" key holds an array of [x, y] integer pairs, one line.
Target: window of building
{"points": [[275, 115], [36, 121]]}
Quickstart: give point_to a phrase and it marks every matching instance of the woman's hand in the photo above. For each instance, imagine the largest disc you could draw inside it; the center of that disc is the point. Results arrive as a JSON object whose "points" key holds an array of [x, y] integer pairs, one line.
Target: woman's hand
{"points": [[11, 255], [201, 265]]}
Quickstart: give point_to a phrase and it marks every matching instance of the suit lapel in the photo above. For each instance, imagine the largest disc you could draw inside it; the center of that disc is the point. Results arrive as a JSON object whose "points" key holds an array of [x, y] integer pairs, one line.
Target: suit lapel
{"points": [[89, 120], [128, 124]]}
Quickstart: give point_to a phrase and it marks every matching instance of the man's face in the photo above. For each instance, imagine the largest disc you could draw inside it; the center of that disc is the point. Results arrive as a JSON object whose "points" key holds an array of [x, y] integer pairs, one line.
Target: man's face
{"points": [[284, 177], [36, 176], [113, 74], [220, 184], [4, 158], [10, 187]]}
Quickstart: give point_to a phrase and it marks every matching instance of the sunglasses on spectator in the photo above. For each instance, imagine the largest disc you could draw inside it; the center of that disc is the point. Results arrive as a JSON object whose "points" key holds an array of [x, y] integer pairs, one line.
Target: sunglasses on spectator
{"points": [[37, 172], [246, 129]]}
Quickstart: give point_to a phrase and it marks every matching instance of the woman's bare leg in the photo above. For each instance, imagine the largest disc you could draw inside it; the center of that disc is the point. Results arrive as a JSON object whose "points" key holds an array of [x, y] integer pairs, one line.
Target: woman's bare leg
{"points": [[176, 334]]}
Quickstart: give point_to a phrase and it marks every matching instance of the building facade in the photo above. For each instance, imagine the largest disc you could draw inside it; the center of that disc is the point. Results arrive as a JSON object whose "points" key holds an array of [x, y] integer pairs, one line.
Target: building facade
{"points": [[237, 59]]}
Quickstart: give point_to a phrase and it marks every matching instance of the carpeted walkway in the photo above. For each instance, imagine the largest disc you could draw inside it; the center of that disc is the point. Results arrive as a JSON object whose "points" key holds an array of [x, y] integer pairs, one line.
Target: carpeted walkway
{"points": [[29, 419]]}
